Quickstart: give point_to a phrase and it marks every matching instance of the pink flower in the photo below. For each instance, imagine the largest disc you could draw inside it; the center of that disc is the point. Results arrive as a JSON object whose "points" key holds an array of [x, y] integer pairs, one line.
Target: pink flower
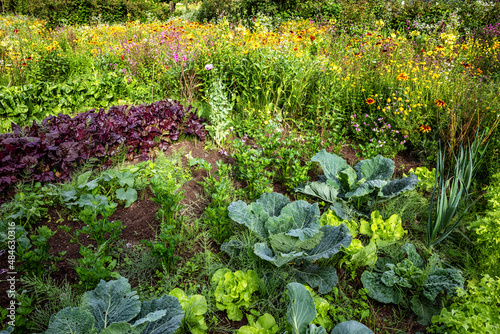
{"points": [[209, 67]]}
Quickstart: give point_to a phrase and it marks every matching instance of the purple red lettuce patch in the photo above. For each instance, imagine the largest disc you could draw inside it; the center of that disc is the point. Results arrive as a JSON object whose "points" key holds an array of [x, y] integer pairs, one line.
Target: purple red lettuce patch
{"points": [[51, 150]]}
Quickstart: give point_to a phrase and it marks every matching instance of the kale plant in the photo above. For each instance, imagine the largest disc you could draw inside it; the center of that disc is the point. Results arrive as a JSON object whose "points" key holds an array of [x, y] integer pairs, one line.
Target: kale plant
{"points": [[355, 191], [412, 280], [290, 232]]}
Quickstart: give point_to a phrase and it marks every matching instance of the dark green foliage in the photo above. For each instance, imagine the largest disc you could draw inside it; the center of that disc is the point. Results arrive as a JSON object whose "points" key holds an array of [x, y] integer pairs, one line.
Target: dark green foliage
{"points": [[58, 12]]}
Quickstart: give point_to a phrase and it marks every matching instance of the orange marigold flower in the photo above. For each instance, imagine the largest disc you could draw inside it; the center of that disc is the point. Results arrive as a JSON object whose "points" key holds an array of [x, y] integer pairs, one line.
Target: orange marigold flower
{"points": [[425, 128], [370, 101], [402, 76], [440, 103], [312, 37]]}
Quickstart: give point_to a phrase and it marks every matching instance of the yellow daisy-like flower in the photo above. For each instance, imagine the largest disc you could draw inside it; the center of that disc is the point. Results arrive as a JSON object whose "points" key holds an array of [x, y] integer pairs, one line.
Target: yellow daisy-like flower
{"points": [[370, 101], [402, 77], [440, 103]]}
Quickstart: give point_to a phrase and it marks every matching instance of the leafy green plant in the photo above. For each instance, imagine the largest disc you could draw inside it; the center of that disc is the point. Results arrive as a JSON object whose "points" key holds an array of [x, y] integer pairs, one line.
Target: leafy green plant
{"points": [[234, 291], [28, 206], [220, 190], [451, 191], [113, 307], [301, 312], [94, 267], [265, 324], [163, 248], [383, 232], [291, 232], [220, 113], [194, 307], [472, 311], [252, 168], [322, 307], [356, 190], [39, 260], [486, 230], [102, 231], [394, 282], [426, 177]]}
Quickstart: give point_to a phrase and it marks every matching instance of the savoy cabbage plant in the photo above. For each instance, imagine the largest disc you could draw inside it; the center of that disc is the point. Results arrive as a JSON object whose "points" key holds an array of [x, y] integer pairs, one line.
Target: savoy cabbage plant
{"points": [[411, 282], [290, 232], [113, 308], [355, 191]]}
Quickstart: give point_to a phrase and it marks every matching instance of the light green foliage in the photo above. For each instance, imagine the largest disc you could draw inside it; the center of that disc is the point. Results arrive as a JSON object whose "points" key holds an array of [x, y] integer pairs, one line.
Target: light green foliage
{"points": [[474, 311], [487, 229], [234, 291], [383, 233], [301, 310], [113, 307], [330, 218], [291, 232], [94, 266], [322, 307], [426, 177], [351, 327], [220, 115], [194, 307], [348, 303], [354, 191], [265, 324], [220, 190], [356, 255], [411, 280]]}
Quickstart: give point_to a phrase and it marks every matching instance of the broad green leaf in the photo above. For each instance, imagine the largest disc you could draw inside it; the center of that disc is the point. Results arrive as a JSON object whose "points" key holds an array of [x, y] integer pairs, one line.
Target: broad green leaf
{"points": [[331, 164], [123, 328], [396, 187], [413, 256], [167, 324], [83, 179], [347, 178], [125, 178], [378, 290], [68, 195], [285, 244], [73, 320], [273, 203], [325, 279], [299, 219], [321, 190], [253, 216], [278, 259], [351, 327], [313, 329], [367, 189], [334, 237], [378, 168], [112, 302], [301, 310], [129, 196]]}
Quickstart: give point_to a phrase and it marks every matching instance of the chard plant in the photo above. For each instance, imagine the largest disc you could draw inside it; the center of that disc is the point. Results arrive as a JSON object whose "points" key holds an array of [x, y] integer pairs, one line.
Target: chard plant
{"points": [[355, 191], [290, 233]]}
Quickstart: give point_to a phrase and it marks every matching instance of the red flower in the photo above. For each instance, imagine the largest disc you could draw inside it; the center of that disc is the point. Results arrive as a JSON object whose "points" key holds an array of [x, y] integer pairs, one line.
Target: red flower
{"points": [[16, 31], [121, 57]]}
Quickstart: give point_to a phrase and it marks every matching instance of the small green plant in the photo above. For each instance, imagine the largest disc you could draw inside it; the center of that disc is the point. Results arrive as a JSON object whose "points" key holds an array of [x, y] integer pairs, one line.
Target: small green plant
{"points": [[383, 232], [426, 177], [412, 283], [265, 324], [164, 247], [252, 168], [194, 307], [220, 190], [39, 260], [473, 311], [322, 307], [94, 266], [234, 291]]}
